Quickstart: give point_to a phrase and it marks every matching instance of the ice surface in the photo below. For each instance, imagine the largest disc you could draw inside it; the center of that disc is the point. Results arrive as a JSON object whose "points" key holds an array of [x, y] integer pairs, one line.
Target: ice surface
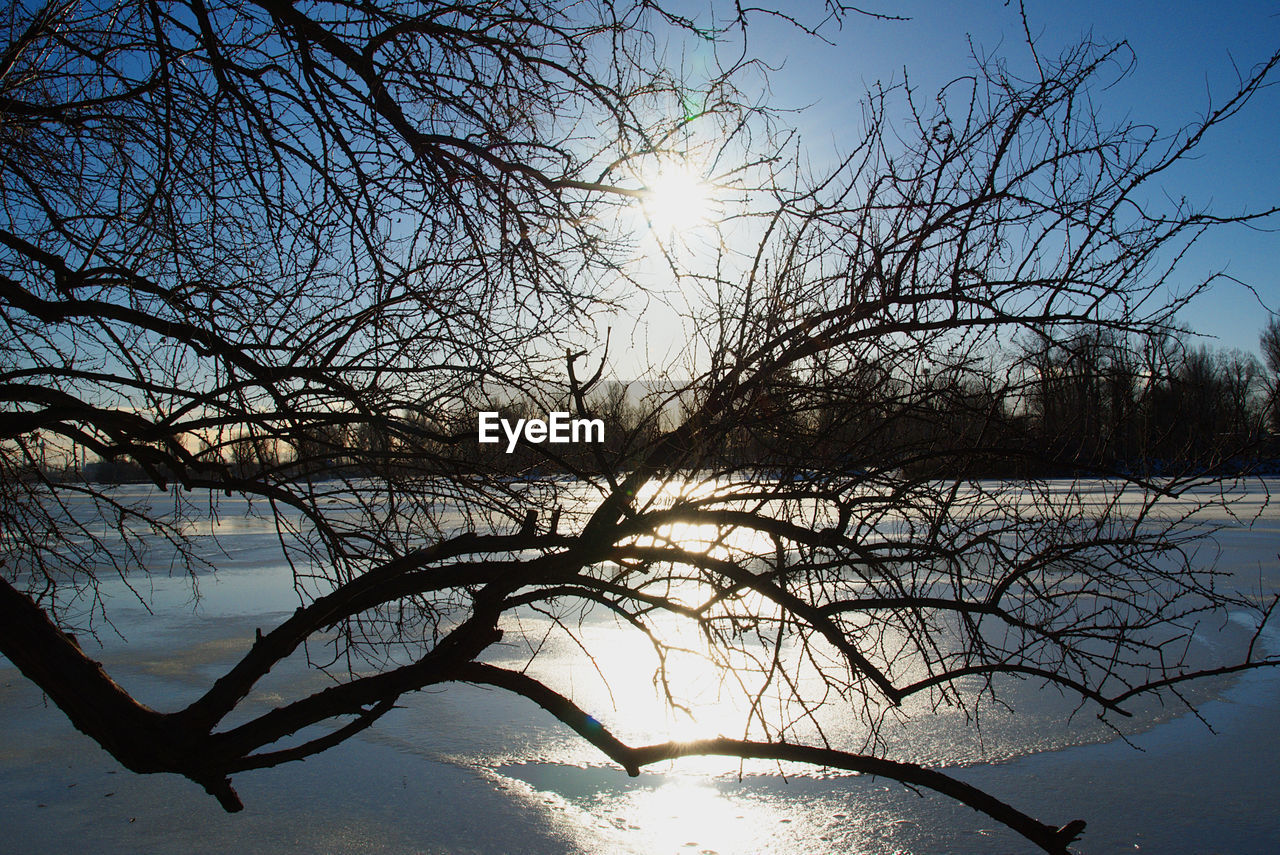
{"points": [[470, 770]]}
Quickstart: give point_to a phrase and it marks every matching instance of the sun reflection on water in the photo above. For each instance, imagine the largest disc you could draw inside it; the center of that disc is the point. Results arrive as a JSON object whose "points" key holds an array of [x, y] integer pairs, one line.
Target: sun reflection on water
{"points": [[690, 814], [683, 813]]}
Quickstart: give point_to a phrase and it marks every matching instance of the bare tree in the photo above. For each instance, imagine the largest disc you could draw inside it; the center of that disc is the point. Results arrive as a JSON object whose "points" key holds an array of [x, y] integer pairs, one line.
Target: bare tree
{"points": [[1270, 342], [286, 250]]}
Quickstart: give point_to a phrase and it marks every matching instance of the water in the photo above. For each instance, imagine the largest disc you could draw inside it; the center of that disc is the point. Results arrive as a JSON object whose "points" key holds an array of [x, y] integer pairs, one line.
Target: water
{"points": [[465, 769]]}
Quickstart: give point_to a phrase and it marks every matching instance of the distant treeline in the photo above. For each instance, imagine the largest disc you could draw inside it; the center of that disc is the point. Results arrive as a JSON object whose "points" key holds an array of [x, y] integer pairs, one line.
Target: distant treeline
{"points": [[1093, 402]]}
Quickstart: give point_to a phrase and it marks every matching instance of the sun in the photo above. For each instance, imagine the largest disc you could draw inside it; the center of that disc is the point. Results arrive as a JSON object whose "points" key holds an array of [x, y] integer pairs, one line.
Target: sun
{"points": [[676, 198]]}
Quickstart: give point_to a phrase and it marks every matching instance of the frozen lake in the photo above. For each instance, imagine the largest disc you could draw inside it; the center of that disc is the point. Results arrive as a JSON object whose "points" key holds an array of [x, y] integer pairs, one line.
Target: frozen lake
{"points": [[463, 769]]}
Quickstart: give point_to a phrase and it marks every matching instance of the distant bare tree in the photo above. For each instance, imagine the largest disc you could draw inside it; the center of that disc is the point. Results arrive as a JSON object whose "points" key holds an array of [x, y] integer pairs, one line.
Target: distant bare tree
{"points": [[1270, 342], [333, 231], [1240, 374]]}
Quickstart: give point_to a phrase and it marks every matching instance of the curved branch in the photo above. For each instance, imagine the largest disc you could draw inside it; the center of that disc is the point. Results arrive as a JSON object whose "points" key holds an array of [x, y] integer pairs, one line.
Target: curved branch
{"points": [[1048, 838]]}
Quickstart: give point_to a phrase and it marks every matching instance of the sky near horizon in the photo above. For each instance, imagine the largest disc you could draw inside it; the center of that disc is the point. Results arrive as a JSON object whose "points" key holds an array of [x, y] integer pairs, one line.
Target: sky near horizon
{"points": [[1188, 57]]}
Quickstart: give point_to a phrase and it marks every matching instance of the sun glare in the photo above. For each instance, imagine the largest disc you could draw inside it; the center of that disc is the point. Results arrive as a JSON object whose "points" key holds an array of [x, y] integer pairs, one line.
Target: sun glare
{"points": [[677, 198]]}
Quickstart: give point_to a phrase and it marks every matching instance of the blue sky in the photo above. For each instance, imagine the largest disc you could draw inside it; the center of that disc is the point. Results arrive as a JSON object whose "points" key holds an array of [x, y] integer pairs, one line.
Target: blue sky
{"points": [[1187, 54]]}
